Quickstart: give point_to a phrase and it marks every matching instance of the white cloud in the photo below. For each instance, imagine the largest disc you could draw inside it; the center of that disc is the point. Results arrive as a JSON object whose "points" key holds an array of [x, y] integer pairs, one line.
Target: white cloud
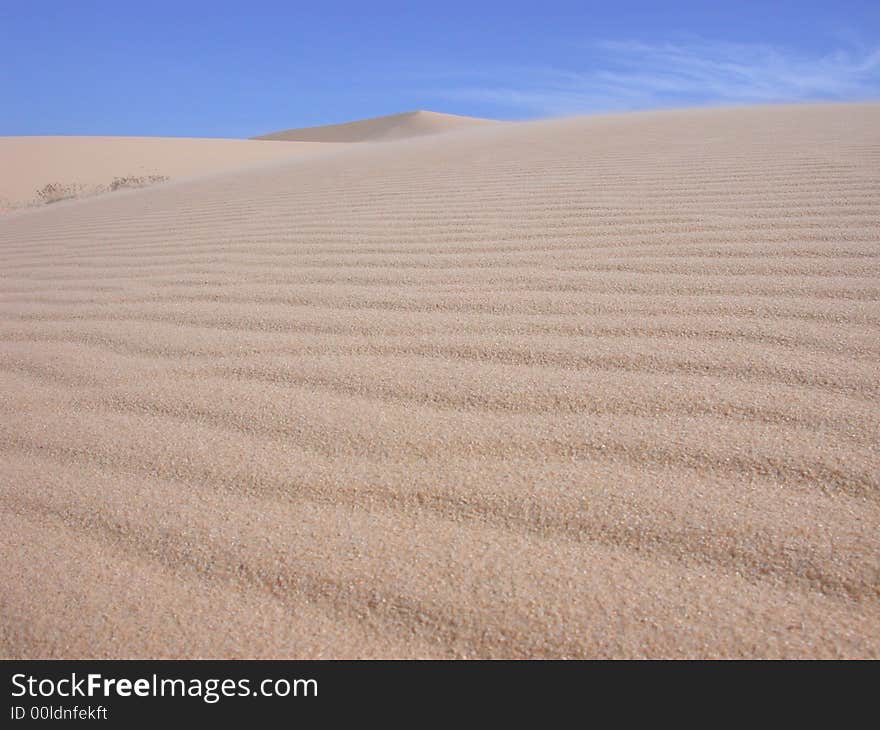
{"points": [[633, 75]]}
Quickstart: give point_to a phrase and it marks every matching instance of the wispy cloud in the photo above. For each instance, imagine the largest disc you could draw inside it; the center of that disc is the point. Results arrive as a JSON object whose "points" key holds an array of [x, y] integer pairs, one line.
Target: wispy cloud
{"points": [[634, 75]]}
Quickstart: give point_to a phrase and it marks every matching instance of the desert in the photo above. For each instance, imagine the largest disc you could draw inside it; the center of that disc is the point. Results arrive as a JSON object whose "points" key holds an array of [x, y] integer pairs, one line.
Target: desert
{"points": [[601, 386], [40, 170]]}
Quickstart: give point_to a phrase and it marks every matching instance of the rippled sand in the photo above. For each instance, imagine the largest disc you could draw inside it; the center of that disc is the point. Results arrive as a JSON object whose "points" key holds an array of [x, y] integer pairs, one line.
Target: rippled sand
{"points": [[598, 387]]}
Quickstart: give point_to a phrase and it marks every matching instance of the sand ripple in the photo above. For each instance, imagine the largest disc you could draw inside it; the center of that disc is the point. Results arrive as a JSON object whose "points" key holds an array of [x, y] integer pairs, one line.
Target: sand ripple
{"points": [[600, 387]]}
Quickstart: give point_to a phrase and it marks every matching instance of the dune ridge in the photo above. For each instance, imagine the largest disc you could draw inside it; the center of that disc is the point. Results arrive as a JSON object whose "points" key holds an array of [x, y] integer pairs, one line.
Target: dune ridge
{"points": [[593, 387], [376, 129]]}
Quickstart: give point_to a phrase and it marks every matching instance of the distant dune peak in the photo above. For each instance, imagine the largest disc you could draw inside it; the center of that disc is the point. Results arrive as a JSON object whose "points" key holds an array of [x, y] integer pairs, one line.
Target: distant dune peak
{"points": [[416, 123]]}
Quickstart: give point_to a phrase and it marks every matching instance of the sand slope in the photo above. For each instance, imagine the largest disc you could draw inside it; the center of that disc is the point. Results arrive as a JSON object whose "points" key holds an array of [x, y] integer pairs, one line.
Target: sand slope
{"points": [[391, 127], [88, 164], [599, 387]]}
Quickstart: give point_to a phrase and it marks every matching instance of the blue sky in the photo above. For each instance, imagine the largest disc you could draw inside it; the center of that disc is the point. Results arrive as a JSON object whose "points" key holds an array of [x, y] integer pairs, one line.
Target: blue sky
{"points": [[224, 69]]}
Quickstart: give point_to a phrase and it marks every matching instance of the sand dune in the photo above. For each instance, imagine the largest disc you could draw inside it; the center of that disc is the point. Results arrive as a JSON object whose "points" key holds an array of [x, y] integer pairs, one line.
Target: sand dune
{"points": [[378, 129], [85, 166], [595, 387]]}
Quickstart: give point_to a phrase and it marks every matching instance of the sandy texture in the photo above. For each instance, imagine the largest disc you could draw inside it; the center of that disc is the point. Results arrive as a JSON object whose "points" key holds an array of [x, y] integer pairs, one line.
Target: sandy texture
{"points": [[599, 387], [382, 129], [87, 165]]}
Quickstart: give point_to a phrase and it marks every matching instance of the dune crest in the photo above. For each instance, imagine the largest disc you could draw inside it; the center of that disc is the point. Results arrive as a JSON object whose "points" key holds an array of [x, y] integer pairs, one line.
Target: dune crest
{"points": [[592, 387], [378, 129]]}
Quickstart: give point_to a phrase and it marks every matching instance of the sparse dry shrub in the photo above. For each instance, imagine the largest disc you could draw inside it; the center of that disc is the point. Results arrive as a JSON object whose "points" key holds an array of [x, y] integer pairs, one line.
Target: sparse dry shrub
{"points": [[132, 181], [53, 192]]}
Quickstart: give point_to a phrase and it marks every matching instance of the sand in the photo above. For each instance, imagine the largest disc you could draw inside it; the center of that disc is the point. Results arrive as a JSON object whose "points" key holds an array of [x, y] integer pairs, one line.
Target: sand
{"points": [[595, 387], [381, 129], [86, 166]]}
